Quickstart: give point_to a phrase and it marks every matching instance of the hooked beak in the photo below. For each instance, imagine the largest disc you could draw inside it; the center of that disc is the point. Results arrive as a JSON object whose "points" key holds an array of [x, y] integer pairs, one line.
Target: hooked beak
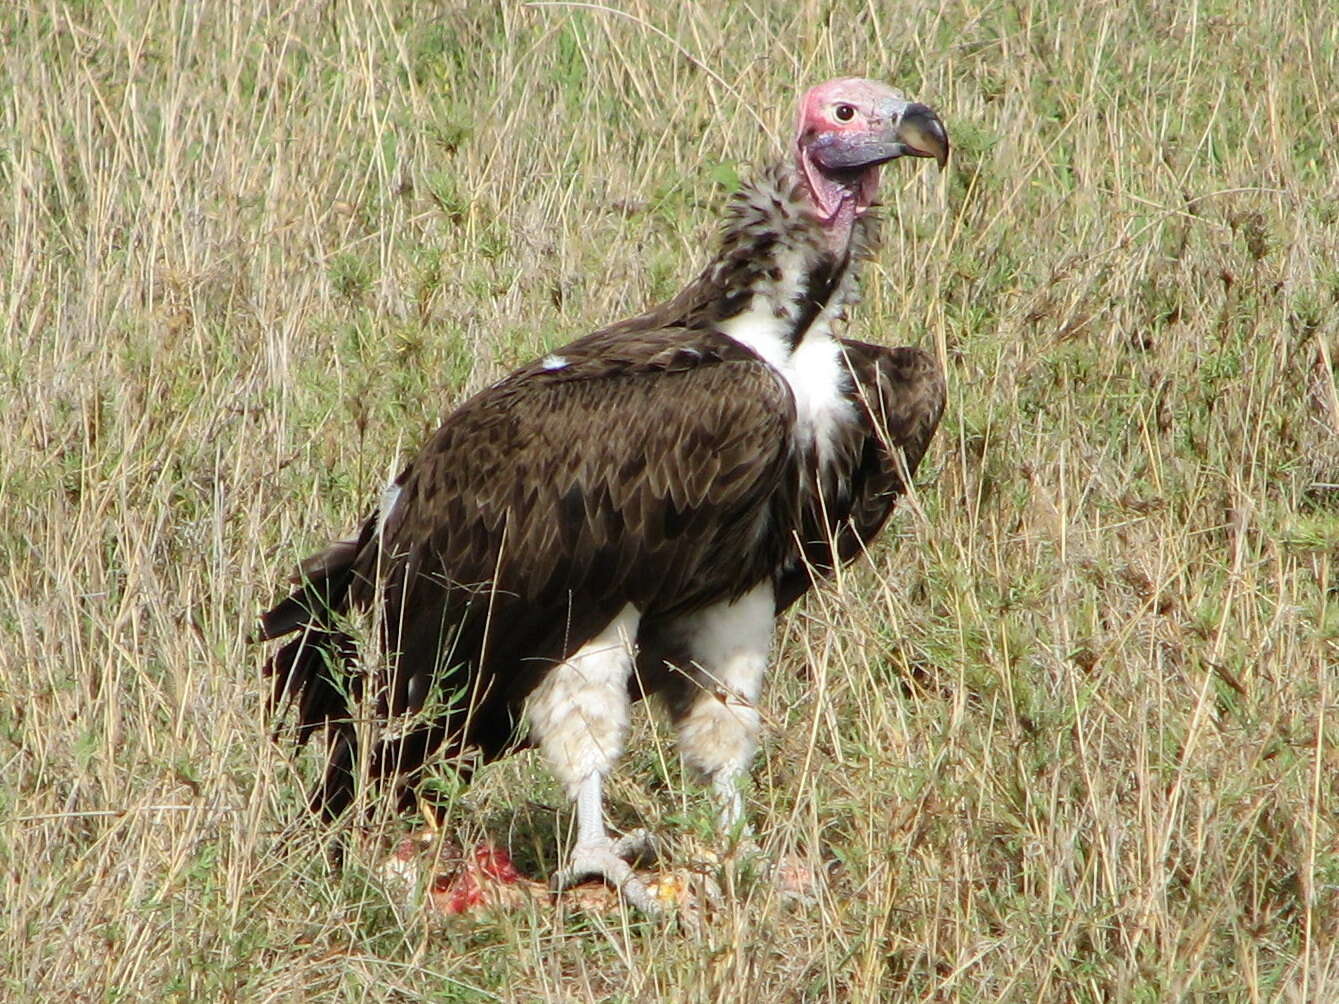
{"points": [[910, 129], [921, 134]]}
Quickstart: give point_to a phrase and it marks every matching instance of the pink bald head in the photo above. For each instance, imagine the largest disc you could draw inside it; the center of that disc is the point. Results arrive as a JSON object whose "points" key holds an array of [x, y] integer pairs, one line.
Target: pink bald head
{"points": [[846, 129]]}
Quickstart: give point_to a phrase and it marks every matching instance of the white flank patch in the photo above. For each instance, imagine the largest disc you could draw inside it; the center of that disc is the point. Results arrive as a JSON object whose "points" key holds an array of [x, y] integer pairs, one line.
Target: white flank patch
{"points": [[717, 717], [553, 362], [390, 495], [579, 712]]}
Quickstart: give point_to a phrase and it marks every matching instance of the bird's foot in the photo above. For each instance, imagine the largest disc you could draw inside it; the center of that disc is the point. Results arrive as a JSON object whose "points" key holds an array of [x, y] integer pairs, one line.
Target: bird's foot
{"points": [[612, 861], [638, 848], [790, 874]]}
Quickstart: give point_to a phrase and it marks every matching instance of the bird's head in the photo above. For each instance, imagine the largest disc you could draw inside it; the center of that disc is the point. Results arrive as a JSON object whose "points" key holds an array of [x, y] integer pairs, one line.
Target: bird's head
{"points": [[847, 129]]}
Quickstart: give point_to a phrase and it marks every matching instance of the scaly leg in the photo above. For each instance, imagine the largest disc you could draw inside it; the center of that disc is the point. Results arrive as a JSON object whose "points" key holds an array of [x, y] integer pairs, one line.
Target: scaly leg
{"points": [[595, 854]]}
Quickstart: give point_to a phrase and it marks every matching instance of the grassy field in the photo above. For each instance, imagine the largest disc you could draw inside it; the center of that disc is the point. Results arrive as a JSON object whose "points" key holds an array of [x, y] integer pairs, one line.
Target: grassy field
{"points": [[1072, 735]]}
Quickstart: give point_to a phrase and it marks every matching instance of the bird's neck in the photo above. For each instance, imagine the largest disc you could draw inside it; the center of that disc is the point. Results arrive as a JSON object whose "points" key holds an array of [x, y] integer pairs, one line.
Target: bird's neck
{"points": [[784, 276], [788, 291]]}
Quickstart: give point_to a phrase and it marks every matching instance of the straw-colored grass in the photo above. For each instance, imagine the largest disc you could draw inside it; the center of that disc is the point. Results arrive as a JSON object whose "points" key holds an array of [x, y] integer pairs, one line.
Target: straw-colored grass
{"points": [[1071, 735]]}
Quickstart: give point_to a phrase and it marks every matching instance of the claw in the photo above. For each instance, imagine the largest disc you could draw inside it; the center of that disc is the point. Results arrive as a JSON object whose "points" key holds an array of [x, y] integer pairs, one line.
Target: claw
{"points": [[606, 860], [638, 848]]}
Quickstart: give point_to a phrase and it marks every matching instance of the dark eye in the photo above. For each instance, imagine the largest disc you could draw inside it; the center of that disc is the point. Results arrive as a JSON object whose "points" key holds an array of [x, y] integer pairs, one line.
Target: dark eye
{"points": [[845, 113]]}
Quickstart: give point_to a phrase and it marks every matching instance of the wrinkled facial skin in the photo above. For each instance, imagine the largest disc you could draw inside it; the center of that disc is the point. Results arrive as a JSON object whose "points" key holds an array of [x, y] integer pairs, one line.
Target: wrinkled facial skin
{"points": [[846, 130]]}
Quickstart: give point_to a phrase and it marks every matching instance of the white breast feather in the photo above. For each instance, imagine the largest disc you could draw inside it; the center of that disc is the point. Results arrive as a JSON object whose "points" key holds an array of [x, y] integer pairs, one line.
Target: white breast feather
{"points": [[814, 371]]}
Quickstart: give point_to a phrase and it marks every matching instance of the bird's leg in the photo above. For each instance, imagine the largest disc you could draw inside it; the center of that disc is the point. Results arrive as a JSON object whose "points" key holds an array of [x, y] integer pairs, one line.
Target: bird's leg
{"points": [[714, 701], [636, 847], [736, 832], [730, 803], [596, 855], [579, 715]]}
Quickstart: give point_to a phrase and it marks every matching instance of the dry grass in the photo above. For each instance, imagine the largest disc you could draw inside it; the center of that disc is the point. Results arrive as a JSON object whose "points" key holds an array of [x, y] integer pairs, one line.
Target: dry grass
{"points": [[1071, 736]]}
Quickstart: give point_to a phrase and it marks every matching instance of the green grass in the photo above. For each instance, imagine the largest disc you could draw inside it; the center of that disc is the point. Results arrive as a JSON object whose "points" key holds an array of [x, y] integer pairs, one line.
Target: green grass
{"points": [[1070, 736]]}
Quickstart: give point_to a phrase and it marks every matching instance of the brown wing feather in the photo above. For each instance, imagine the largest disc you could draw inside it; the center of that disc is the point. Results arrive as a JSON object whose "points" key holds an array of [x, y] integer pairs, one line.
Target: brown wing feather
{"points": [[900, 398], [641, 471]]}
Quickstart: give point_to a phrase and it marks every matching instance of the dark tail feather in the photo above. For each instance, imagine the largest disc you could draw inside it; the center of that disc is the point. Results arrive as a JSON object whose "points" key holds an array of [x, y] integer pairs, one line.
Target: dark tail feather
{"points": [[315, 671], [324, 581], [337, 788]]}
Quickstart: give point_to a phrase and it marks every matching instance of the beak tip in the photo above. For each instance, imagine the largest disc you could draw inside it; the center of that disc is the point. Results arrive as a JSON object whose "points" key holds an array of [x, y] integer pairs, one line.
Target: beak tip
{"points": [[923, 133]]}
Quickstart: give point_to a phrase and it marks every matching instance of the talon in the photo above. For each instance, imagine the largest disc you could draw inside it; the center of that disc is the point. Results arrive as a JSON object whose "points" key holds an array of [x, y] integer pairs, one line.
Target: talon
{"points": [[638, 848], [605, 861]]}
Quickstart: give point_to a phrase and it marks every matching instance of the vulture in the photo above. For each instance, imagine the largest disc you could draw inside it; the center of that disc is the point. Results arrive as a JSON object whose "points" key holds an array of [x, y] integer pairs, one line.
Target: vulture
{"points": [[628, 515]]}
